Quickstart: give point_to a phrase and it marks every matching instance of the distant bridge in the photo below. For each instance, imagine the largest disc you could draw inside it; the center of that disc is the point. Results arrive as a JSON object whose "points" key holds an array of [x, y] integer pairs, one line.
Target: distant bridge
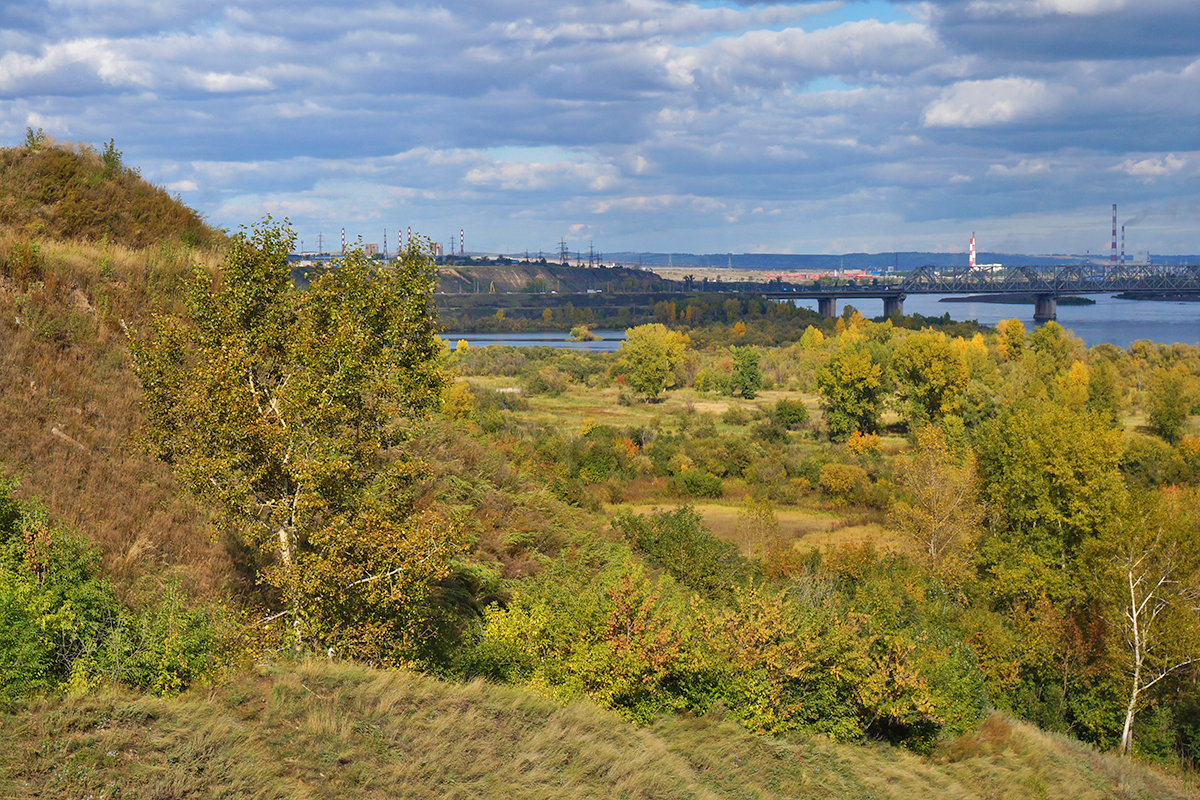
{"points": [[1046, 284]]}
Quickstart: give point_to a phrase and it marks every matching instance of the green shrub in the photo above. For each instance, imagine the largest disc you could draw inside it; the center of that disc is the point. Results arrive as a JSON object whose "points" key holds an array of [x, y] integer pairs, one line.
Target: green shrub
{"points": [[791, 414], [52, 604], [678, 542], [546, 380], [735, 415], [611, 635], [60, 622], [162, 649], [698, 483], [24, 263], [711, 380]]}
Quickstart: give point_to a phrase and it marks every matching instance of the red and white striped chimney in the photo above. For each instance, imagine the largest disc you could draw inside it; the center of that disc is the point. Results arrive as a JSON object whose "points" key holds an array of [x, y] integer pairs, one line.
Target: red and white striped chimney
{"points": [[971, 259], [1112, 258]]}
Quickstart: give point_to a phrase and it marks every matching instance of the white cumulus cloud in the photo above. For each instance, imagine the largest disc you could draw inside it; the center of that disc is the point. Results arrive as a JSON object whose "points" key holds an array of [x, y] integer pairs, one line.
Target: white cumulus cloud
{"points": [[975, 104], [1151, 168]]}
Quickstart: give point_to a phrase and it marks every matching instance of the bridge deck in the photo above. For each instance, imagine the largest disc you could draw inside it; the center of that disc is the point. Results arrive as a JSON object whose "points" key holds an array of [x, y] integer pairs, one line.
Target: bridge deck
{"points": [[1051, 281]]}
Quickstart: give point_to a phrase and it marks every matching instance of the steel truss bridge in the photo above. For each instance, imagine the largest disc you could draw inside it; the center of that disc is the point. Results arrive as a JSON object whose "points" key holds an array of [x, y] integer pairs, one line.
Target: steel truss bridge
{"points": [[1046, 284]]}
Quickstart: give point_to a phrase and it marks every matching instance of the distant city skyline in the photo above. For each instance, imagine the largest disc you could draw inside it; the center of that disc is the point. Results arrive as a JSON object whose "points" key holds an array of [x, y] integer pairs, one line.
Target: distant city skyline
{"points": [[640, 125]]}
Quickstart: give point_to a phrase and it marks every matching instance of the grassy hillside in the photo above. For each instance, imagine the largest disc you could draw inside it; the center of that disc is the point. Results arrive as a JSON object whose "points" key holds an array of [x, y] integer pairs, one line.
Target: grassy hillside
{"points": [[318, 730], [69, 401], [57, 191], [88, 250]]}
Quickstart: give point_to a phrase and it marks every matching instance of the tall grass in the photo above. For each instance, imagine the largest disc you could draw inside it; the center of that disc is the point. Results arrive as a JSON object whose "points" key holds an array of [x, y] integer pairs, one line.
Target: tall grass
{"points": [[318, 730], [69, 409]]}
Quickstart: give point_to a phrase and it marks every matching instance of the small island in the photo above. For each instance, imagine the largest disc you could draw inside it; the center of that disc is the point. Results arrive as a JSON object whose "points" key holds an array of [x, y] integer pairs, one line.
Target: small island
{"points": [[1016, 297], [581, 333]]}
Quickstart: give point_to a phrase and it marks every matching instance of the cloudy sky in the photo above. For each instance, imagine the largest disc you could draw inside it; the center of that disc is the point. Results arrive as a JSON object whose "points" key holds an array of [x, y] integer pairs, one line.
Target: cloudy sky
{"points": [[812, 127]]}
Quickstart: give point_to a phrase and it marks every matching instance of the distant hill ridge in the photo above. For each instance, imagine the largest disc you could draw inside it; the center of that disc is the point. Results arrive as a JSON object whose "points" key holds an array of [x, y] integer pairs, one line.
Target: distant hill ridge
{"points": [[59, 191]]}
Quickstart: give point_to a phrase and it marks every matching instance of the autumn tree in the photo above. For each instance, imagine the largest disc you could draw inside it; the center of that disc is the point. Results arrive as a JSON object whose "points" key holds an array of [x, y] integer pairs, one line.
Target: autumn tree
{"points": [[1169, 400], [757, 523], [288, 410], [648, 356], [931, 376], [852, 390], [1104, 391], [1053, 348], [1010, 339], [812, 338], [1073, 386], [938, 507], [1051, 477]]}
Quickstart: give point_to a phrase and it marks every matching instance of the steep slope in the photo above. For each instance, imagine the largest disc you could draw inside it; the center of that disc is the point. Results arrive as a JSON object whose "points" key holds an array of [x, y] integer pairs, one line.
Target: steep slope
{"points": [[317, 730], [69, 402]]}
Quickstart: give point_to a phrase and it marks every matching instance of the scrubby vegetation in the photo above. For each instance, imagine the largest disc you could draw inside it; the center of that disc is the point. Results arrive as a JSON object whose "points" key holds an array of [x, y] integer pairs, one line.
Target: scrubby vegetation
{"points": [[57, 191], [1007, 484], [758, 554]]}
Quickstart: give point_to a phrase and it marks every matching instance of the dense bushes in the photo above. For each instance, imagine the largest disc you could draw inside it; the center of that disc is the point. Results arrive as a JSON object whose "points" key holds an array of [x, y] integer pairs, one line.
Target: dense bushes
{"points": [[61, 625], [678, 542], [848, 651]]}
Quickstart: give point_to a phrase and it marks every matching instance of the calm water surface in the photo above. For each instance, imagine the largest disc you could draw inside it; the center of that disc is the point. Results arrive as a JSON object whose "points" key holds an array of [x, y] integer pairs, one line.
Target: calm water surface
{"points": [[606, 341], [1110, 320]]}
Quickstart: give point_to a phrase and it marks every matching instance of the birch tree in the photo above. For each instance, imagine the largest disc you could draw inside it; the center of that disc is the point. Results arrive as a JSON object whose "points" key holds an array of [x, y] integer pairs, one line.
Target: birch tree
{"points": [[287, 409], [1149, 566]]}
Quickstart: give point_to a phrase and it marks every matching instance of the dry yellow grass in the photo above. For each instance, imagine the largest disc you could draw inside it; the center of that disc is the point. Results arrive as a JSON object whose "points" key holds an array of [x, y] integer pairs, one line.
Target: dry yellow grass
{"points": [[69, 407], [320, 730], [806, 530]]}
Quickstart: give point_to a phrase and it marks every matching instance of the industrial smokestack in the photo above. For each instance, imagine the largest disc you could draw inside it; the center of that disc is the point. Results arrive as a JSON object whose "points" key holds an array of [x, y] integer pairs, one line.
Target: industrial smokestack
{"points": [[343, 241], [971, 258], [1112, 258], [1122, 245], [462, 242]]}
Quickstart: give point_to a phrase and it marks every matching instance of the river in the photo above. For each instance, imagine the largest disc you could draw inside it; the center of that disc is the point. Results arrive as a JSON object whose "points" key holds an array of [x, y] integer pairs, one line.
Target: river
{"points": [[607, 341], [1110, 320]]}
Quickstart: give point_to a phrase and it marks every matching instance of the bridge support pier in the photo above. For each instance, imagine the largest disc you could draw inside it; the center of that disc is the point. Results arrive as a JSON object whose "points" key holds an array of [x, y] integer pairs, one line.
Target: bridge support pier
{"points": [[893, 306], [1046, 308], [827, 307]]}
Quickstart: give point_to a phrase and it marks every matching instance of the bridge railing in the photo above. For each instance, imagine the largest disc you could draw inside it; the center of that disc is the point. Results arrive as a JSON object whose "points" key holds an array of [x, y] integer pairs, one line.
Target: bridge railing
{"points": [[1053, 280]]}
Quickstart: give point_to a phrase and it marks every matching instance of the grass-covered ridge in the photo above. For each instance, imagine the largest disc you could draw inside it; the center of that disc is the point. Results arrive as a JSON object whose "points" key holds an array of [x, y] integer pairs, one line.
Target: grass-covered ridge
{"points": [[317, 730], [64, 191]]}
